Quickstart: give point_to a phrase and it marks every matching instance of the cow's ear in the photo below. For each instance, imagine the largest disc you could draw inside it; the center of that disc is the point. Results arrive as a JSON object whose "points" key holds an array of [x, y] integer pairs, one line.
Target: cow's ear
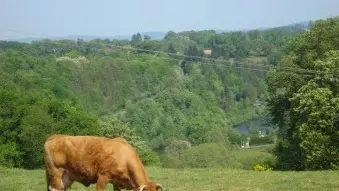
{"points": [[159, 187]]}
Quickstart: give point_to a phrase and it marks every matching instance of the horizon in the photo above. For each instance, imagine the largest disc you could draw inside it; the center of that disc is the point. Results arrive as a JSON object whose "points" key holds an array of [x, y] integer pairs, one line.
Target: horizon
{"points": [[37, 36], [41, 19]]}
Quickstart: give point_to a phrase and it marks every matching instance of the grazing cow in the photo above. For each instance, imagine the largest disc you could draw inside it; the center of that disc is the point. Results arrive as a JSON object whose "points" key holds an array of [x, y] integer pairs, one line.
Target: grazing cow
{"points": [[89, 160]]}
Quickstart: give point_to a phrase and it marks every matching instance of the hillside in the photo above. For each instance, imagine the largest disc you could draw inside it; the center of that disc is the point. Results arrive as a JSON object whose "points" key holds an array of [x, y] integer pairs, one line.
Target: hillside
{"points": [[162, 98], [169, 98], [157, 97]]}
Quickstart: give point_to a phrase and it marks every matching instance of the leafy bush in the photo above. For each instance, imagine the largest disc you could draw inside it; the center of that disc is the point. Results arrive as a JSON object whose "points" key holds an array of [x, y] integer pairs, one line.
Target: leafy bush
{"points": [[208, 155], [9, 155], [172, 153], [249, 157], [256, 140], [259, 167], [149, 157], [171, 161]]}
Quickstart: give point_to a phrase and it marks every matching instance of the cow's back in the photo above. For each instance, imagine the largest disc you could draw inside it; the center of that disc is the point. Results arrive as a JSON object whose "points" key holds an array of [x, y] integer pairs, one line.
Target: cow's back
{"points": [[82, 156]]}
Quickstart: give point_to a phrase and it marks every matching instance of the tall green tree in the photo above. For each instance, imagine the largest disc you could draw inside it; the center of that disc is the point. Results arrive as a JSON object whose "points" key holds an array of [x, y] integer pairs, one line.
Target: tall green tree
{"points": [[146, 37], [136, 38], [170, 34], [305, 105]]}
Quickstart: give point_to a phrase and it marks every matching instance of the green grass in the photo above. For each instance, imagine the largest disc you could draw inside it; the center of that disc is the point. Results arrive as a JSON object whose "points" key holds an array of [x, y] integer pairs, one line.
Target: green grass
{"points": [[195, 179], [251, 152]]}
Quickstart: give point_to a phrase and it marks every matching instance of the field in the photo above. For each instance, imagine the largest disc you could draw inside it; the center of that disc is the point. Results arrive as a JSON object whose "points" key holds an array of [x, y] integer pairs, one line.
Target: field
{"points": [[200, 179], [195, 179]]}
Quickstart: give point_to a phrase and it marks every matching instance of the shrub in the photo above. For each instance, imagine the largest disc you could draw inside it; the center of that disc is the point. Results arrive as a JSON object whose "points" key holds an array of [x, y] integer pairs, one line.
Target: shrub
{"points": [[208, 155], [250, 157], [256, 140], [9, 155], [170, 161], [171, 157], [260, 167], [148, 157]]}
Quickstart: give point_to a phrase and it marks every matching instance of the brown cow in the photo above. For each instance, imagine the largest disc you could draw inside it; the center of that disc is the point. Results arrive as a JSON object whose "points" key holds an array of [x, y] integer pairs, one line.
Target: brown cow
{"points": [[89, 160]]}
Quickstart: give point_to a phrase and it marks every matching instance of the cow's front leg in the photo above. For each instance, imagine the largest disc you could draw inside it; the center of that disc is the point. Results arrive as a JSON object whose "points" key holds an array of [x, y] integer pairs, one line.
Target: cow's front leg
{"points": [[102, 182], [66, 180]]}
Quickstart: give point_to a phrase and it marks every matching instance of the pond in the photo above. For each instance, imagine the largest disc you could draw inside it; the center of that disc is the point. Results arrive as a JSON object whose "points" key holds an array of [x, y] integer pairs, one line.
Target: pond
{"points": [[258, 124]]}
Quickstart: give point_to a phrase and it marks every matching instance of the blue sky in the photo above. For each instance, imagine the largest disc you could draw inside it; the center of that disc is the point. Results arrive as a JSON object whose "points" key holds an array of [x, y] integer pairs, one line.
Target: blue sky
{"points": [[115, 17]]}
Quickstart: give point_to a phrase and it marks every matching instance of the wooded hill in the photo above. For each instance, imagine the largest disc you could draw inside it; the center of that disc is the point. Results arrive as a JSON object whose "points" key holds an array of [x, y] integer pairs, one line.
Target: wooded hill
{"points": [[160, 102]]}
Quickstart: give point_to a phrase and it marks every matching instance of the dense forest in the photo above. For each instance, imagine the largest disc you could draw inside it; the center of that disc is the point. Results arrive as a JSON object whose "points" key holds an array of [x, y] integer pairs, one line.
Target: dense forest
{"points": [[177, 99]]}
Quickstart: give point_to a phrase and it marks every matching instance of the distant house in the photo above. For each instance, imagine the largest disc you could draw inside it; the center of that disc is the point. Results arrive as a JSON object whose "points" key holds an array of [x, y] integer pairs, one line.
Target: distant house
{"points": [[207, 52]]}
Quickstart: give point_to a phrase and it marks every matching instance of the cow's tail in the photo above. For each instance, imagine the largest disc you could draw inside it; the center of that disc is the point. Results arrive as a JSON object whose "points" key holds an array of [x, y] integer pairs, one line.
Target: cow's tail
{"points": [[47, 180], [48, 164], [50, 169]]}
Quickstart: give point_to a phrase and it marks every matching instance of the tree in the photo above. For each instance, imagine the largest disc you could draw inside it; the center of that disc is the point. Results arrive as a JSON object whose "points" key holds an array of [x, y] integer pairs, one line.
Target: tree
{"points": [[35, 128], [274, 58], [146, 37], [303, 105], [136, 38], [193, 52], [72, 54], [171, 48], [169, 35], [316, 115], [149, 45]]}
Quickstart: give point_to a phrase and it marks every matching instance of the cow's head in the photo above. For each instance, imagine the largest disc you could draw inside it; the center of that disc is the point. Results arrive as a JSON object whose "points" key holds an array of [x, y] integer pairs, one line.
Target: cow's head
{"points": [[151, 186]]}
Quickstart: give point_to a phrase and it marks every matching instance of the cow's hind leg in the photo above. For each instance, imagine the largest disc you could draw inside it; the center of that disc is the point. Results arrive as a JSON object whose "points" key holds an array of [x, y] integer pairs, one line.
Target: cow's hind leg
{"points": [[102, 182]]}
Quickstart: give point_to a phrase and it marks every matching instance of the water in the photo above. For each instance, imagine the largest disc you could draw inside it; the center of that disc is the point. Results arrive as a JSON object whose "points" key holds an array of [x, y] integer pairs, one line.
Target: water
{"points": [[258, 124]]}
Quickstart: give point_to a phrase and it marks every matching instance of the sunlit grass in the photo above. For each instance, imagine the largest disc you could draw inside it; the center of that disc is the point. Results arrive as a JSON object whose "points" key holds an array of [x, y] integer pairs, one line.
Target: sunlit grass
{"points": [[194, 179]]}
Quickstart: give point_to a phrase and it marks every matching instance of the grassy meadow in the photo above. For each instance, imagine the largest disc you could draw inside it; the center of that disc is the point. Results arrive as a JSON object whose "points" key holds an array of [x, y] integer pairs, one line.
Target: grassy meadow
{"points": [[195, 179], [199, 179]]}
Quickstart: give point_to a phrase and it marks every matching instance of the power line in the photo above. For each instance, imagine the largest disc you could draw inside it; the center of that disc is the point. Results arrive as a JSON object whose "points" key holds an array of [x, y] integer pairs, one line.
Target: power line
{"points": [[173, 54], [222, 60], [212, 64], [279, 68]]}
